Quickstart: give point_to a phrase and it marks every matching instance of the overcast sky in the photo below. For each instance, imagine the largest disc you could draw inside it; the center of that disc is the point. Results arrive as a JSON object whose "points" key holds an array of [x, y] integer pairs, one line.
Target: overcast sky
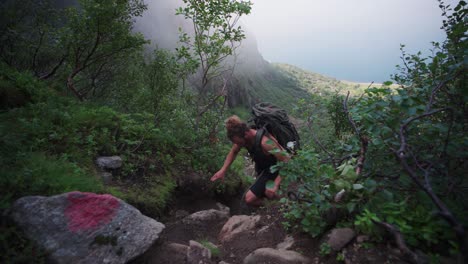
{"points": [[356, 40]]}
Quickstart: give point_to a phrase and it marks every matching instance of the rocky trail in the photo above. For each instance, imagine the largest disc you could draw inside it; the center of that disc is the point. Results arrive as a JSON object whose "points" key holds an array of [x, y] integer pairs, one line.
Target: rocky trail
{"points": [[198, 228], [206, 231], [90, 228]]}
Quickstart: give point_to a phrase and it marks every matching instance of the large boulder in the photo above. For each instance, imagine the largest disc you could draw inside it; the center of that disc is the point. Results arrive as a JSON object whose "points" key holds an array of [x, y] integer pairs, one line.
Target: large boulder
{"points": [[81, 227]]}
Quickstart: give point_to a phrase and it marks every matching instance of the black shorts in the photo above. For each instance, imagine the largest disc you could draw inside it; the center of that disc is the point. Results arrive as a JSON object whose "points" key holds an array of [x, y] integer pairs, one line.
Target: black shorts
{"points": [[259, 187]]}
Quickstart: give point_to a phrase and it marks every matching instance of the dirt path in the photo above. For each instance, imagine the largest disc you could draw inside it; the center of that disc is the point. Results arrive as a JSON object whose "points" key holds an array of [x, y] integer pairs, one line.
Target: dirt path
{"points": [[268, 233]]}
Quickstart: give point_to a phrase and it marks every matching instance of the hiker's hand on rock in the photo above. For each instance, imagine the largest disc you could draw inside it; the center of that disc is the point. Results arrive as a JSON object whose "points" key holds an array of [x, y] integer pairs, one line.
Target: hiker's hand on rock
{"points": [[218, 175]]}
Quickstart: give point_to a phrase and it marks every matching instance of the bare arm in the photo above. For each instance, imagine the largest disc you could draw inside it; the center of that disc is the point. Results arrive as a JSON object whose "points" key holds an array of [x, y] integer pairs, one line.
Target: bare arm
{"points": [[227, 162], [271, 146]]}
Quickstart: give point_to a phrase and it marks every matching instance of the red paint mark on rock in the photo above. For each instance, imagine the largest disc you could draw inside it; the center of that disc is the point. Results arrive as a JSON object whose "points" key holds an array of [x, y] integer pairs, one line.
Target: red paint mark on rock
{"points": [[87, 211]]}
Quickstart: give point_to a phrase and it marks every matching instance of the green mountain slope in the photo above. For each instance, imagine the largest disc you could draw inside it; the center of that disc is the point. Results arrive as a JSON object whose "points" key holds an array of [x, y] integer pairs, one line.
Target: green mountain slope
{"points": [[317, 83], [265, 84], [283, 84]]}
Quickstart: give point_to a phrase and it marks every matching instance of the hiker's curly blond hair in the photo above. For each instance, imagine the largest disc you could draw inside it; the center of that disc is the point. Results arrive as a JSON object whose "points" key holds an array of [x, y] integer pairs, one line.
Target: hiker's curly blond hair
{"points": [[235, 127]]}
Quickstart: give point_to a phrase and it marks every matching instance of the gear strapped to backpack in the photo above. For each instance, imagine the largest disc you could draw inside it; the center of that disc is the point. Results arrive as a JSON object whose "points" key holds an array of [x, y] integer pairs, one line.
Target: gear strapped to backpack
{"points": [[275, 120]]}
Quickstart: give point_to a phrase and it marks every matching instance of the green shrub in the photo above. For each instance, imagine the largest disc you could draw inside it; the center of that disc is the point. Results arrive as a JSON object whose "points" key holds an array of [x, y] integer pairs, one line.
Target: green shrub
{"points": [[215, 252], [419, 227], [18, 89], [16, 248], [152, 195], [38, 174]]}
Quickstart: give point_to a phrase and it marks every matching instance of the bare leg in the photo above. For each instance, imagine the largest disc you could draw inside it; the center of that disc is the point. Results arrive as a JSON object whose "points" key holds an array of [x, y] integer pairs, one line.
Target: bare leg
{"points": [[252, 200], [272, 193]]}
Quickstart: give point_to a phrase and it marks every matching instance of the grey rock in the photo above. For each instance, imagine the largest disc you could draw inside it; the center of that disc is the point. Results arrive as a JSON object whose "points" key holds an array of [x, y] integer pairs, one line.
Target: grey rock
{"points": [[288, 243], [179, 214], [198, 254], [111, 163], [176, 252], [340, 237], [106, 178], [270, 255], [223, 208], [178, 248], [362, 238], [238, 224], [265, 233], [85, 227], [205, 217]]}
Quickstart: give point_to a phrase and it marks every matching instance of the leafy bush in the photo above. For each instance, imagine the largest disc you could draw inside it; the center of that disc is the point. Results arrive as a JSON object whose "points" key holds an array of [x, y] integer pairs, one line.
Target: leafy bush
{"points": [[18, 89], [318, 185], [16, 248], [416, 154], [37, 174], [152, 196]]}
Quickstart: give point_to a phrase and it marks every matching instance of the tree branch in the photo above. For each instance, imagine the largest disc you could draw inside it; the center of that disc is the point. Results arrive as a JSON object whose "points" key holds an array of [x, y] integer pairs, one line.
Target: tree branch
{"points": [[400, 241], [444, 212], [54, 70], [364, 140], [213, 100], [403, 127], [36, 51]]}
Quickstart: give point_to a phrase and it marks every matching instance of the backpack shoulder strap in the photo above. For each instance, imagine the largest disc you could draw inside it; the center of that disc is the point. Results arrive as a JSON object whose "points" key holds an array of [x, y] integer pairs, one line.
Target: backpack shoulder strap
{"points": [[258, 139]]}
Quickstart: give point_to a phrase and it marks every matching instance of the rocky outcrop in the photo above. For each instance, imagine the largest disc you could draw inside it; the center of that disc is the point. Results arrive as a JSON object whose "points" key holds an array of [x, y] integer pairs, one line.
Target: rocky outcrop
{"points": [[270, 255], [81, 227], [236, 225], [287, 243]]}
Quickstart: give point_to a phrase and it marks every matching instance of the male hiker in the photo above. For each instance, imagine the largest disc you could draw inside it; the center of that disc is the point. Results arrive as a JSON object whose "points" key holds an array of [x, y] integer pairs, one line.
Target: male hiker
{"points": [[261, 146]]}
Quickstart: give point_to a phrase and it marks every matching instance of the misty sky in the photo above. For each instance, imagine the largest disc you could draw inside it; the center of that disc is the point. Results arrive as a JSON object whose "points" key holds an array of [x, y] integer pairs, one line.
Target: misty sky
{"points": [[356, 40]]}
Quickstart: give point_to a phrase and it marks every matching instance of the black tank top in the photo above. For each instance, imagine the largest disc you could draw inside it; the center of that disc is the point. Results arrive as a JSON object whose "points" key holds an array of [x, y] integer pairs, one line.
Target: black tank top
{"points": [[262, 162]]}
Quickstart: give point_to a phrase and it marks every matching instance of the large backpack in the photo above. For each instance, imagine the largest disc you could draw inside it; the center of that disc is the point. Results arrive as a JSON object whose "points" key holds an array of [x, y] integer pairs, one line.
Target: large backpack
{"points": [[275, 120]]}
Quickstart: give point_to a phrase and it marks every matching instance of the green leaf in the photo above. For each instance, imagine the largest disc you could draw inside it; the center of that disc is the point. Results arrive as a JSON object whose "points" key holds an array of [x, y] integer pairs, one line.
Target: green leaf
{"points": [[357, 186], [351, 207], [370, 185], [270, 184]]}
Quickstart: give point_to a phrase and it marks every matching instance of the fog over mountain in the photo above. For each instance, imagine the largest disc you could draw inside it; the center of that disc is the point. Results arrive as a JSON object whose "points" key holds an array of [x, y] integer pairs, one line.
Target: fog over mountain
{"points": [[160, 24], [352, 40]]}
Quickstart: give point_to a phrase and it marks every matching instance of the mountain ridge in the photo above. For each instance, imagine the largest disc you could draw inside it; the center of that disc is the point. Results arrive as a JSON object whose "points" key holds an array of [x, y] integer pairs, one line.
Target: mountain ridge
{"points": [[254, 79]]}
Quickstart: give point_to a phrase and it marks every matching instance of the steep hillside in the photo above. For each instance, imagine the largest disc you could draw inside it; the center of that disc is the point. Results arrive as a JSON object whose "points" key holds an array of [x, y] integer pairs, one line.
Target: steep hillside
{"points": [[266, 84]]}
